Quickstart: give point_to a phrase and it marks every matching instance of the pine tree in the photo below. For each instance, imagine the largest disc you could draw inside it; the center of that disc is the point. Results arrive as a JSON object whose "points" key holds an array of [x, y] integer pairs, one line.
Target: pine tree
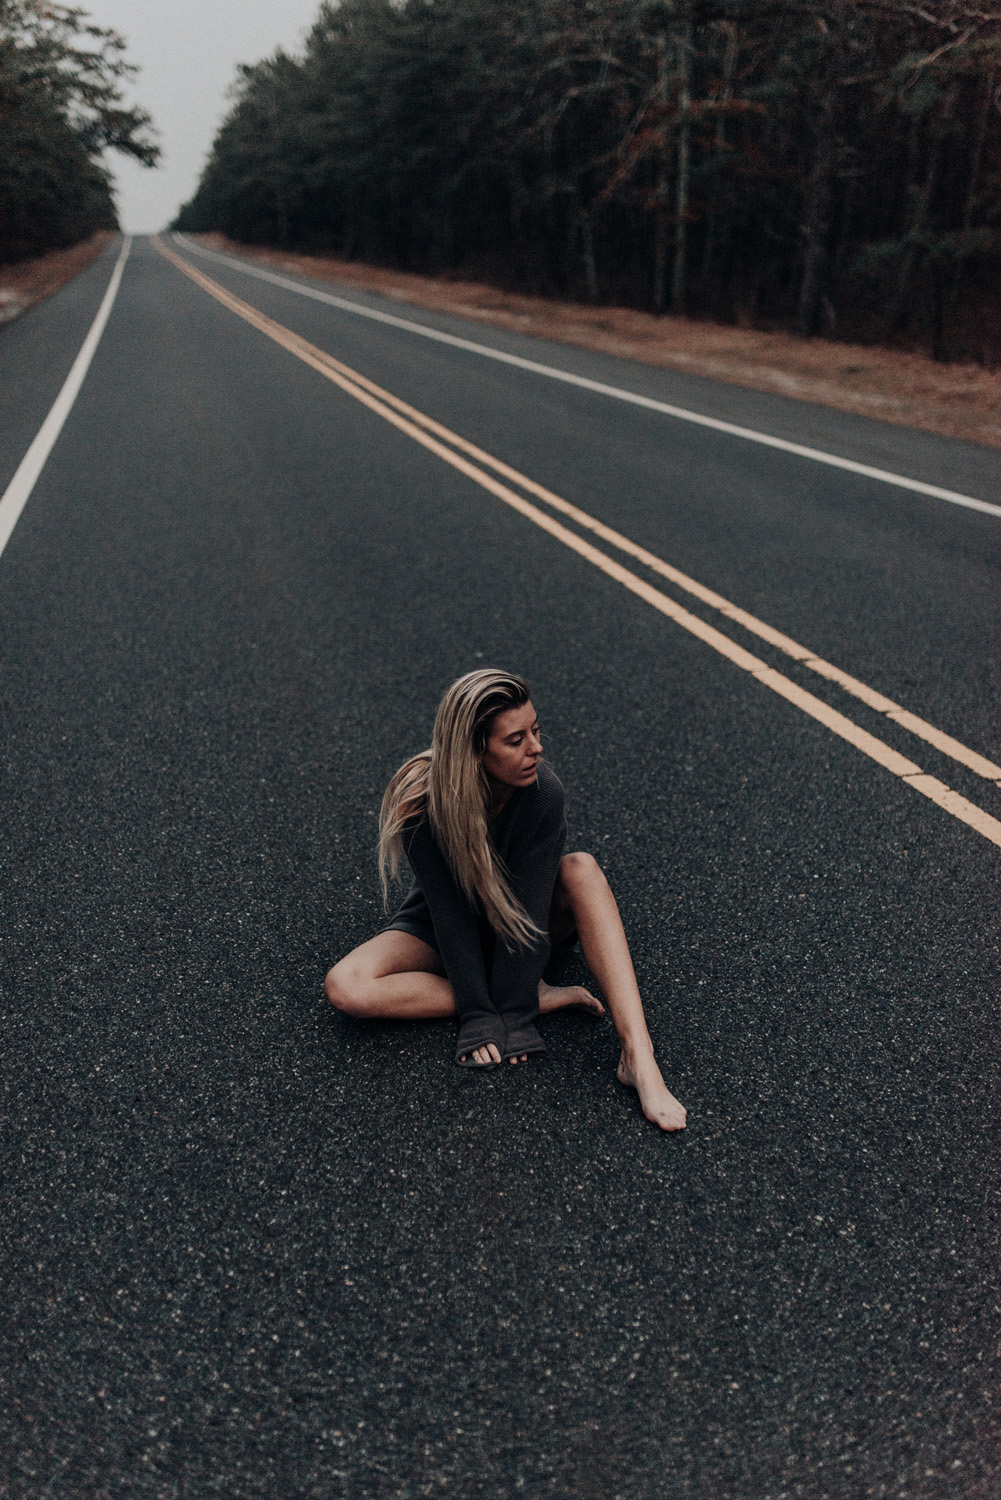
{"points": [[60, 109]]}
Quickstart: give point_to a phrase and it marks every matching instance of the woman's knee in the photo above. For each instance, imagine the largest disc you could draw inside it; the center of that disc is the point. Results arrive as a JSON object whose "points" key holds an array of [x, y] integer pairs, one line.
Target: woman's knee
{"points": [[346, 989], [580, 872]]}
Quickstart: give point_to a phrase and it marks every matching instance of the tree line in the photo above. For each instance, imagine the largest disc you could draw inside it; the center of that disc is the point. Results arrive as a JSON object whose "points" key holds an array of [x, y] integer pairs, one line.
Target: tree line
{"points": [[60, 109], [827, 165]]}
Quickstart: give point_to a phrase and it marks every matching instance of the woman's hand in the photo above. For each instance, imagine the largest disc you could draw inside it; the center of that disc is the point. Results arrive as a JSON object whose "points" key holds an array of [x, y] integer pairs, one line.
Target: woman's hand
{"points": [[489, 1054], [484, 1055]]}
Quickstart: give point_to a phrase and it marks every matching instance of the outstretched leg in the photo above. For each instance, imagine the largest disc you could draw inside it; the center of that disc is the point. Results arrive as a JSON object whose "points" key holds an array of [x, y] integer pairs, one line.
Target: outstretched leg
{"points": [[583, 899]]}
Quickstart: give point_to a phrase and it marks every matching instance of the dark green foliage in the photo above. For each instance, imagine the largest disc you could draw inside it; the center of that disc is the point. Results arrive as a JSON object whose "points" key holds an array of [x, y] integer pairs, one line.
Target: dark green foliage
{"points": [[60, 108], [829, 165]]}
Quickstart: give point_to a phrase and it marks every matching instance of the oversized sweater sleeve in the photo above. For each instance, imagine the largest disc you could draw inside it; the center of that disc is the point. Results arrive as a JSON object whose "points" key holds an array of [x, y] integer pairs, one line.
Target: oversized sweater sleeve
{"points": [[532, 860], [456, 930]]}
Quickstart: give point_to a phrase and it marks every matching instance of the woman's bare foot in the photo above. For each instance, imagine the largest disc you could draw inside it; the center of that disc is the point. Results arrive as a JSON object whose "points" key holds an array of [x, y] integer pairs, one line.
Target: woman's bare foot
{"points": [[659, 1104], [559, 996]]}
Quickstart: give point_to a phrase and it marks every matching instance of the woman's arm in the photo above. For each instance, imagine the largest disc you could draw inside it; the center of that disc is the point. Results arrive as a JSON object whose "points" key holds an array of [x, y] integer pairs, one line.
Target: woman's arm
{"points": [[456, 930], [532, 863]]}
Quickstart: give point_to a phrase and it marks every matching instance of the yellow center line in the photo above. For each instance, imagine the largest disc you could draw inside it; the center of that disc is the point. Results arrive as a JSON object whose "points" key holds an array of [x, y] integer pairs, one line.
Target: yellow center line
{"points": [[422, 430]]}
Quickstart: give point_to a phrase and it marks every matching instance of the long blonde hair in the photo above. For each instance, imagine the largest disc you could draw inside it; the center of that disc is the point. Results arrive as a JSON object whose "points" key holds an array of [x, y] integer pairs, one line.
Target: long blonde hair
{"points": [[448, 785]]}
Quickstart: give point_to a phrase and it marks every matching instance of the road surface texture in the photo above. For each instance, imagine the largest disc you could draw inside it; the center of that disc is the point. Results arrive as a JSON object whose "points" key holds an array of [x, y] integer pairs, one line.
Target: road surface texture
{"points": [[254, 1249]]}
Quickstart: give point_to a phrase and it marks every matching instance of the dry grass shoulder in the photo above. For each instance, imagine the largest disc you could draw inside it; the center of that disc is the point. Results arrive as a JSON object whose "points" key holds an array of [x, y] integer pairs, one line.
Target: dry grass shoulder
{"points": [[911, 390], [29, 281]]}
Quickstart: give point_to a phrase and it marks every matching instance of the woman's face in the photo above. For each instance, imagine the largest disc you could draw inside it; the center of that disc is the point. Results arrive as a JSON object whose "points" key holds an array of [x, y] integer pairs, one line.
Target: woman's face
{"points": [[513, 747]]}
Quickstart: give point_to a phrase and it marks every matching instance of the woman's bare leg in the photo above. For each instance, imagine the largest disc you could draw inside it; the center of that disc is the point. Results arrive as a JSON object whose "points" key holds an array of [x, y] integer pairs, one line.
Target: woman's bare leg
{"points": [[583, 899], [393, 977], [397, 977]]}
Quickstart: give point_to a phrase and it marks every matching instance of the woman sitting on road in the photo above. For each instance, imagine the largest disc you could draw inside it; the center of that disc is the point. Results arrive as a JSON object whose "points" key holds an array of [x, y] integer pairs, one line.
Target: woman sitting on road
{"points": [[480, 816]]}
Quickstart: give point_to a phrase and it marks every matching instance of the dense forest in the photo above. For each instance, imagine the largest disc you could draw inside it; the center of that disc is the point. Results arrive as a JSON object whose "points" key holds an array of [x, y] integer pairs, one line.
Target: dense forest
{"points": [[60, 109], [827, 165]]}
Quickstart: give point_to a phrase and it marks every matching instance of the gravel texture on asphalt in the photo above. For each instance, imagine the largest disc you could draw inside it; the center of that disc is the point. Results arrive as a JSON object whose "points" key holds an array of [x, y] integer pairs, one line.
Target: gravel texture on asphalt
{"points": [[253, 1249]]}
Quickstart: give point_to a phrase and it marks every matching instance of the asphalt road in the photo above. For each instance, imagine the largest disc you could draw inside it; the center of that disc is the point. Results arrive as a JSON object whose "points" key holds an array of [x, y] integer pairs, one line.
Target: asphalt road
{"points": [[254, 1249]]}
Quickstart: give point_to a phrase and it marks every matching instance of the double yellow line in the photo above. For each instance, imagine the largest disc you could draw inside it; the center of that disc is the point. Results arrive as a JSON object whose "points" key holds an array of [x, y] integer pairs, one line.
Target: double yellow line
{"points": [[455, 450]]}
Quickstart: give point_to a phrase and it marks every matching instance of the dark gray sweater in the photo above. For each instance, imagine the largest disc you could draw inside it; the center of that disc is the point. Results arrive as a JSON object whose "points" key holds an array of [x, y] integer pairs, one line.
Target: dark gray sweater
{"points": [[496, 987]]}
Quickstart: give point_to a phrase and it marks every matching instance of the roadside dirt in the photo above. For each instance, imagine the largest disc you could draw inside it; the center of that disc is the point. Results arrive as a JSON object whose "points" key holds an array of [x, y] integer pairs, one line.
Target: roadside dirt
{"points": [[910, 390], [29, 281]]}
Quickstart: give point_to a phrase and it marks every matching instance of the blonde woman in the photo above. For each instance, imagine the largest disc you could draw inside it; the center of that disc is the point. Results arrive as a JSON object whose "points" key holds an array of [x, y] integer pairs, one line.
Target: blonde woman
{"points": [[480, 818]]}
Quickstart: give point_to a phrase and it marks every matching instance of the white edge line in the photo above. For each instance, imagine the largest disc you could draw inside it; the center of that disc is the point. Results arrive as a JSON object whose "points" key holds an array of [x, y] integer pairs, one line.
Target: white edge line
{"points": [[918, 486], [16, 495]]}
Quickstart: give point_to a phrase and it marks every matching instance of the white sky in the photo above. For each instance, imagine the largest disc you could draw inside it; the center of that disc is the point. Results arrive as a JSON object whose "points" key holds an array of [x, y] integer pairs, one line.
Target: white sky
{"points": [[188, 51]]}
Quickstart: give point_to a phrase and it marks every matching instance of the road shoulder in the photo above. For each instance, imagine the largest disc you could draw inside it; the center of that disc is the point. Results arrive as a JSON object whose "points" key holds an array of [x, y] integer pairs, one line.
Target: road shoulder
{"points": [[25, 283]]}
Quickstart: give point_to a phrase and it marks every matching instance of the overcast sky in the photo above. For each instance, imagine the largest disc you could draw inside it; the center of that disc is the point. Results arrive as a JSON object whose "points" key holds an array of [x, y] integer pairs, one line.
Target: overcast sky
{"points": [[188, 51]]}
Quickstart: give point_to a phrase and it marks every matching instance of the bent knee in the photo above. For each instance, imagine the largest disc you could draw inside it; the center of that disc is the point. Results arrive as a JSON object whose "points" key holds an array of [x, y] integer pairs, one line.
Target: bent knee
{"points": [[345, 988], [580, 870]]}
